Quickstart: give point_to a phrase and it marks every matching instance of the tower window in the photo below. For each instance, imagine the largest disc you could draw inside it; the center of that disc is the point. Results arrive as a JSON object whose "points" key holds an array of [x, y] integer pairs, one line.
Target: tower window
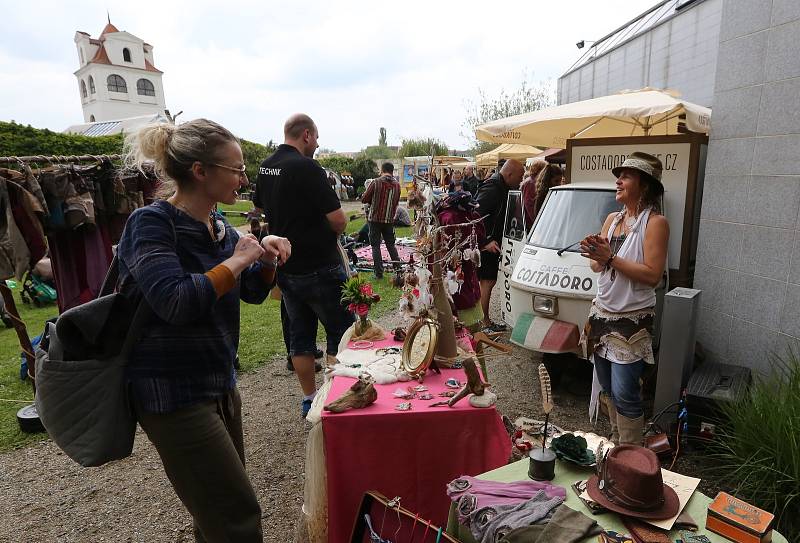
{"points": [[126, 54], [83, 88], [116, 83], [145, 87], [91, 85], [91, 118]]}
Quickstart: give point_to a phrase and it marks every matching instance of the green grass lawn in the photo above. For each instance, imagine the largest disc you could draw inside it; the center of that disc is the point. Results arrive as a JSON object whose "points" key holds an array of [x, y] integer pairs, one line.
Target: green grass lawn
{"points": [[261, 339], [12, 388], [233, 218], [355, 225]]}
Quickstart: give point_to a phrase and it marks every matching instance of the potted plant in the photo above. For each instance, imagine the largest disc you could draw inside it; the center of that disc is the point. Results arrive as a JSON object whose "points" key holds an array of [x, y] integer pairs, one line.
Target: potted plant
{"points": [[358, 295]]}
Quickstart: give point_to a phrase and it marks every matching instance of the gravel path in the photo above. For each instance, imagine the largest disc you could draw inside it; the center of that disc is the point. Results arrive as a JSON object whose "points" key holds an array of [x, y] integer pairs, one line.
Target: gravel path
{"points": [[47, 497]]}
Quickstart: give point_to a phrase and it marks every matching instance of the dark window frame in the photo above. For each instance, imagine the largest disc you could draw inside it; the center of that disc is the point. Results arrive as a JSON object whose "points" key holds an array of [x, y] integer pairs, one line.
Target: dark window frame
{"points": [[126, 54], [116, 83], [145, 87]]}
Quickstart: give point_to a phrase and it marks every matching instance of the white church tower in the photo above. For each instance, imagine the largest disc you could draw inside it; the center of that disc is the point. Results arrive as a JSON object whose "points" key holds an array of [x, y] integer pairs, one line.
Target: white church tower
{"points": [[117, 78]]}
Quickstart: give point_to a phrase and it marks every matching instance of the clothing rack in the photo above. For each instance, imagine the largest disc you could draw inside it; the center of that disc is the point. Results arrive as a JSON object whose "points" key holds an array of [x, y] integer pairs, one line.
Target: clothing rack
{"points": [[56, 158], [5, 291]]}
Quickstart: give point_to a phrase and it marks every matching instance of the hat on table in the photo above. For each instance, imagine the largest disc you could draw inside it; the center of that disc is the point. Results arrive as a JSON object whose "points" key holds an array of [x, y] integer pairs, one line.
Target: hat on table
{"points": [[630, 483]]}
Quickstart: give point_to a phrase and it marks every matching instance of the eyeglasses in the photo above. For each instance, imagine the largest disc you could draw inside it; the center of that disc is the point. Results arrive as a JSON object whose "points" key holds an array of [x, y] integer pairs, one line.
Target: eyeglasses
{"points": [[240, 171]]}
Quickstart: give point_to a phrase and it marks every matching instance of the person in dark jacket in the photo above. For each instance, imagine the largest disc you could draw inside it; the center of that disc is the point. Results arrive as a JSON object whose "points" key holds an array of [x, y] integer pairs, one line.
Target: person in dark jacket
{"points": [[491, 198], [470, 182]]}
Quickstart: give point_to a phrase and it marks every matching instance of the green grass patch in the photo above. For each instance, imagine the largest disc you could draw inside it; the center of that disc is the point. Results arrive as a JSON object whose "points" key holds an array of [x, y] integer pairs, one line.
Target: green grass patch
{"points": [[235, 219], [261, 336], [11, 387], [354, 226]]}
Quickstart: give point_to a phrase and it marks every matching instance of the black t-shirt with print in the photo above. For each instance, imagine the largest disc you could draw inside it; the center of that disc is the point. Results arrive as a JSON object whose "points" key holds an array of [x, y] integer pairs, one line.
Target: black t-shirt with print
{"points": [[295, 195]]}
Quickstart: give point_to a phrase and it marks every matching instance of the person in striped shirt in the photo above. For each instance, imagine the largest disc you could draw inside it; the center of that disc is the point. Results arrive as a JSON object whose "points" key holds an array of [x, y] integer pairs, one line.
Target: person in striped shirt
{"points": [[382, 196]]}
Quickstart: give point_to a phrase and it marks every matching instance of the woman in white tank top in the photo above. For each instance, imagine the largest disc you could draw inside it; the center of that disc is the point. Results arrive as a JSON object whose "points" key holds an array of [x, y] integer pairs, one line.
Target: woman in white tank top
{"points": [[630, 254]]}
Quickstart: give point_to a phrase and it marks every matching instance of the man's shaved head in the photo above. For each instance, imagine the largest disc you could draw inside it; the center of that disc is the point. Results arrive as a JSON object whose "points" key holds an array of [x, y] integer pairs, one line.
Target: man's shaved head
{"points": [[296, 124], [512, 171], [300, 132]]}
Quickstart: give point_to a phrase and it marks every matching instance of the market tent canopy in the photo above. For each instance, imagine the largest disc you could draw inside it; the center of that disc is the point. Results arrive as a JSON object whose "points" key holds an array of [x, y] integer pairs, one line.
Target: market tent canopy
{"points": [[506, 150], [646, 112]]}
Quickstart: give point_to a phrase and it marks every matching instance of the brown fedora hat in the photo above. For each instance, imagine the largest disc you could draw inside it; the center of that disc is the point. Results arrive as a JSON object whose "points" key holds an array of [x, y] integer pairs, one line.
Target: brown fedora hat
{"points": [[649, 166], [630, 483]]}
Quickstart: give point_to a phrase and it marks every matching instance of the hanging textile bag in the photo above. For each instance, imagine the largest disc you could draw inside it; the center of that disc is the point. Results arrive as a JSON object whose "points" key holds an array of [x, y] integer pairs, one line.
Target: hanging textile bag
{"points": [[81, 395]]}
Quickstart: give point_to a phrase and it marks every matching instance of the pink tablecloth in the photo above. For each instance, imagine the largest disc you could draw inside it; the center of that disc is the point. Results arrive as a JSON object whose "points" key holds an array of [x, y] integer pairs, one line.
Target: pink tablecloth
{"points": [[411, 454]]}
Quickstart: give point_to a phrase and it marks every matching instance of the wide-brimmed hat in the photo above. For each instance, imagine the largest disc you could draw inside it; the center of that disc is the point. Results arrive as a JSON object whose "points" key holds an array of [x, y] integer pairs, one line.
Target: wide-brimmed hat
{"points": [[649, 166], [630, 483]]}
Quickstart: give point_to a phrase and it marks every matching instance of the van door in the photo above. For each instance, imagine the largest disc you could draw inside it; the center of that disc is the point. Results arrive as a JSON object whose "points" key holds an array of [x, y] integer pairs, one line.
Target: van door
{"points": [[513, 242]]}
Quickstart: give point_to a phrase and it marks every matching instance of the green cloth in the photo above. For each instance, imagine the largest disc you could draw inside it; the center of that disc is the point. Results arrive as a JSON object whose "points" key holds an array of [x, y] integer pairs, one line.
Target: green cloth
{"points": [[566, 526], [566, 474]]}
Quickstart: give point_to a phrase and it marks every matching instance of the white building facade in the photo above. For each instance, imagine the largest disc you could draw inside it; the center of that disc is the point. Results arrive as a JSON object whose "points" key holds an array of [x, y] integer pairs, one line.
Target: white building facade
{"points": [[117, 77]]}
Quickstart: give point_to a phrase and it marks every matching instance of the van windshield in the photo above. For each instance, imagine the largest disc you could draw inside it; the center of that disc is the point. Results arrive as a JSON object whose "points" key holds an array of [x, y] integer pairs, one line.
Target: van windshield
{"points": [[569, 216]]}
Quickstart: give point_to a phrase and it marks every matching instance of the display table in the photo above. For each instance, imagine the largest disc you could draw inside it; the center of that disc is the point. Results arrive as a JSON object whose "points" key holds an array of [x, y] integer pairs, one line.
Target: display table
{"points": [[412, 454], [566, 474]]}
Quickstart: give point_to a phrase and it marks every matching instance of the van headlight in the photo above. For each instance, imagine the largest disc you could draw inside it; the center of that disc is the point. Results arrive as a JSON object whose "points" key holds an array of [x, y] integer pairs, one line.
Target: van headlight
{"points": [[546, 305]]}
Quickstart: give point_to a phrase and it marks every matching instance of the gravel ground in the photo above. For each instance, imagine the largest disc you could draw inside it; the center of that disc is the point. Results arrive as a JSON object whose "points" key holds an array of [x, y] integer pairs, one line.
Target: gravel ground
{"points": [[47, 497]]}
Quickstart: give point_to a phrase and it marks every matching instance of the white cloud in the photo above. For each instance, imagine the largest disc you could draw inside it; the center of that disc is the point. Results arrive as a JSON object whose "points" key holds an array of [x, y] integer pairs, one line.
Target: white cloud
{"points": [[354, 65]]}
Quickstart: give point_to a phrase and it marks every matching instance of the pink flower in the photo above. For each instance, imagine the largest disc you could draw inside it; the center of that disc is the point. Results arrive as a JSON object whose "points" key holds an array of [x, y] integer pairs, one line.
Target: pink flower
{"points": [[366, 289], [415, 292], [351, 308], [362, 310]]}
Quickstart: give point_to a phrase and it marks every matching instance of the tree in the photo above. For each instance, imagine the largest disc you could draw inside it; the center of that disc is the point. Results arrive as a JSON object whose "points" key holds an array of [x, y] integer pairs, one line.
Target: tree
{"points": [[339, 164], [422, 147], [382, 138], [254, 154], [363, 168], [377, 152], [528, 97]]}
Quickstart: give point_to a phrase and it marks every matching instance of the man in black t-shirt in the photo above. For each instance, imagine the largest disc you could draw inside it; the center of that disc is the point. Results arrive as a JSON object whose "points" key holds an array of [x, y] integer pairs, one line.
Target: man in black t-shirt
{"points": [[300, 204]]}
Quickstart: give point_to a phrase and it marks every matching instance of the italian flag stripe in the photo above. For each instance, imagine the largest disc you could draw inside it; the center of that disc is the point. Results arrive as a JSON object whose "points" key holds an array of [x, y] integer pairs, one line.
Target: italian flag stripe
{"points": [[545, 334]]}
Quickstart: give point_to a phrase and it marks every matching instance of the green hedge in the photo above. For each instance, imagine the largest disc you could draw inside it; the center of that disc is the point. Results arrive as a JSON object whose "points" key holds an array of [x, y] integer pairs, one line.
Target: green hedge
{"points": [[20, 140]]}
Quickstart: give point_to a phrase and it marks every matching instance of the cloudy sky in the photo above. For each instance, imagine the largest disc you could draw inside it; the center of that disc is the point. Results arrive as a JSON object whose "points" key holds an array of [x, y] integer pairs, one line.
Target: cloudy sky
{"points": [[354, 66]]}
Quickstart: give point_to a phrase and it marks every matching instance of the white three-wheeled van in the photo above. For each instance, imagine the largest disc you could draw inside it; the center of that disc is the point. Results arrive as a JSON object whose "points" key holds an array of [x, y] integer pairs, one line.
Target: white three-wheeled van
{"points": [[548, 286]]}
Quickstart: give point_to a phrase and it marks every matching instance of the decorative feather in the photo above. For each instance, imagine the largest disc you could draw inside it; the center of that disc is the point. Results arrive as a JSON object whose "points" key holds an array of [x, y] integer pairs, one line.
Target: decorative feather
{"points": [[547, 399], [547, 392]]}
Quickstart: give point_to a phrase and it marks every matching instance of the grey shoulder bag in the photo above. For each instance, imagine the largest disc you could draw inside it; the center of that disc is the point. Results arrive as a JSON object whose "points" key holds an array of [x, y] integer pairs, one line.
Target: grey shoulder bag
{"points": [[81, 392]]}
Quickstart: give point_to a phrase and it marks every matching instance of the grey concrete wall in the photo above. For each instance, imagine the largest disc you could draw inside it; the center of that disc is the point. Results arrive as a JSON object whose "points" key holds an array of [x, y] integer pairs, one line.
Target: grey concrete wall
{"points": [[679, 53], [748, 256]]}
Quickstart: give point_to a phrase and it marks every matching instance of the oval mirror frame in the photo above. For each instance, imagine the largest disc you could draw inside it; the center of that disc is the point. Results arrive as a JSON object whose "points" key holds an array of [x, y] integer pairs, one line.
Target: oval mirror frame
{"points": [[418, 369]]}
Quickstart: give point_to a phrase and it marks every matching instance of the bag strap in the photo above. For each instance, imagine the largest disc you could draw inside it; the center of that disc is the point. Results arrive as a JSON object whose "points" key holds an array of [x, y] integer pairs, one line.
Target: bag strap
{"points": [[112, 276]]}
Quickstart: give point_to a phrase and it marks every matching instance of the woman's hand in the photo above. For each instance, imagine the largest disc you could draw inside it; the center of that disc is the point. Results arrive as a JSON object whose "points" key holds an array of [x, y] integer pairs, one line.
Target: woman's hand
{"points": [[276, 247], [247, 250], [596, 247]]}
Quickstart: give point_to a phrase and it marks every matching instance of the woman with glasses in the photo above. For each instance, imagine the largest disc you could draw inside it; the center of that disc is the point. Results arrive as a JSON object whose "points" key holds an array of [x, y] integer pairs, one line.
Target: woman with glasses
{"points": [[192, 268]]}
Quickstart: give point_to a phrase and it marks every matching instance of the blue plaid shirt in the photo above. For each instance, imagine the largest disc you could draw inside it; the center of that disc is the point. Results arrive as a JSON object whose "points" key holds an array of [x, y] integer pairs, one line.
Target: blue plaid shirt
{"points": [[187, 350]]}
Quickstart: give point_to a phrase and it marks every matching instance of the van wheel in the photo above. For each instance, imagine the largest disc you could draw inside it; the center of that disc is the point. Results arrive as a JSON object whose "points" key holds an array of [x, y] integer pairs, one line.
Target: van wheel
{"points": [[554, 362]]}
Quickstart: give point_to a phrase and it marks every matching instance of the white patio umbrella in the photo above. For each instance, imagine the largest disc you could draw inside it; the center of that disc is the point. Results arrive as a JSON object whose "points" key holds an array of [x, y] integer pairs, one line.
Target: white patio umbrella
{"points": [[506, 150], [645, 112]]}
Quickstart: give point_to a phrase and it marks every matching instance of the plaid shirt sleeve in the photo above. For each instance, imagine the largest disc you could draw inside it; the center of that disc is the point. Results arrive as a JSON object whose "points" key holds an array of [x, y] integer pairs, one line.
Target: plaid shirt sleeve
{"points": [[147, 249]]}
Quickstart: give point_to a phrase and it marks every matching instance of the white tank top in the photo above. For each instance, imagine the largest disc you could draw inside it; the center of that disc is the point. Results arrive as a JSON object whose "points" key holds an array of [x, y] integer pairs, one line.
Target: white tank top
{"points": [[623, 294]]}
